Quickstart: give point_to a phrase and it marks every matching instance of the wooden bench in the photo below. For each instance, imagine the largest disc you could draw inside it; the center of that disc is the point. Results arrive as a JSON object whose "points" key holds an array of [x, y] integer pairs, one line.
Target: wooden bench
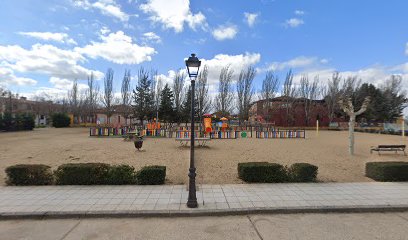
{"points": [[201, 141], [392, 148]]}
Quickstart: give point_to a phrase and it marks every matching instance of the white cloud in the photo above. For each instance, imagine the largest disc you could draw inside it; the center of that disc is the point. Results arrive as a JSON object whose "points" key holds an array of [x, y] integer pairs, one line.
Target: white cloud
{"points": [[61, 83], [7, 78], [299, 12], [118, 48], [224, 32], [250, 18], [66, 84], [298, 62], [173, 14], [376, 75], [152, 37], [45, 59], [104, 30], [106, 7], [294, 22], [236, 63], [49, 36]]}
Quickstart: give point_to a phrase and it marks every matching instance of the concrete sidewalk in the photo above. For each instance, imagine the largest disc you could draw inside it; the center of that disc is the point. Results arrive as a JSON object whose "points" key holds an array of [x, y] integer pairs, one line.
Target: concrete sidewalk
{"points": [[169, 200]]}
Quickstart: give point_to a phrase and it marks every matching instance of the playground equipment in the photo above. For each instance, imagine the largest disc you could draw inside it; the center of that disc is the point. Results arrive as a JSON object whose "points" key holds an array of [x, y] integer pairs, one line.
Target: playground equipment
{"points": [[206, 131], [224, 125], [207, 123], [154, 125]]}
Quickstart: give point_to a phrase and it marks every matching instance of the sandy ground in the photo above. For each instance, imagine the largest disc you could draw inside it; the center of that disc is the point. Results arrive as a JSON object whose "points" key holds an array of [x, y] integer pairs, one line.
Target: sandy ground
{"points": [[215, 164]]}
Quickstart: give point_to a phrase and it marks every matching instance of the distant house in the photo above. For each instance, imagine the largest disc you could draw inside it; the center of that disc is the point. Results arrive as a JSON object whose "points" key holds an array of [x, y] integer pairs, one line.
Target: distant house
{"points": [[285, 111], [41, 110], [118, 116]]}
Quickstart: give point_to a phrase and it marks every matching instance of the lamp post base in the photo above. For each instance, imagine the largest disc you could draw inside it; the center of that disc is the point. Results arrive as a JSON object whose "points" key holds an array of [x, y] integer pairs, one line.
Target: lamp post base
{"points": [[192, 197], [192, 204]]}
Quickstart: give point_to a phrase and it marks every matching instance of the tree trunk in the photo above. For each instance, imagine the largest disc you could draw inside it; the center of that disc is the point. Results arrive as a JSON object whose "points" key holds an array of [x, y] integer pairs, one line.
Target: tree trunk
{"points": [[351, 134]]}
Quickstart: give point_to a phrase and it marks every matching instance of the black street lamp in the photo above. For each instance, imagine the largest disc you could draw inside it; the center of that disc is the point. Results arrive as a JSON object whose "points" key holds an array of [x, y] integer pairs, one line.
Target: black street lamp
{"points": [[193, 65]]}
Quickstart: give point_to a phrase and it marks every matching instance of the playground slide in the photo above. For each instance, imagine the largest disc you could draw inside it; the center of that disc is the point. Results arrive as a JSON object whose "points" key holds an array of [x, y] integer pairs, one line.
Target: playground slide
{"points": [[207, 125]]}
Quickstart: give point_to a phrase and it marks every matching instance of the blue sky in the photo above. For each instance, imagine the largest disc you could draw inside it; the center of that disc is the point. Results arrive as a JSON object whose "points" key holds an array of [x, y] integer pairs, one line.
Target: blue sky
{"points": [[44, 45]]}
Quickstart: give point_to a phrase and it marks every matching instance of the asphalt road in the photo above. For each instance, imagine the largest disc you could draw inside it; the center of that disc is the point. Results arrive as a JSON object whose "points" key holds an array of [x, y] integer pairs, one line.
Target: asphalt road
{"points": [[387, 226]]}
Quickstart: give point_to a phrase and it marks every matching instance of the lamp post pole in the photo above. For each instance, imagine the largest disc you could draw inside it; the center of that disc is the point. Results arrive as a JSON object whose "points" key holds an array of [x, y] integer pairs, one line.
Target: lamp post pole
{"points": [[192, 198], [193, 65]]}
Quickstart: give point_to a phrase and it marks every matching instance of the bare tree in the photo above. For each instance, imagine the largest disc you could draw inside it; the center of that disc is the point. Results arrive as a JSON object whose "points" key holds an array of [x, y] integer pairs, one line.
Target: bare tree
{"points": [[245, 92], [157, 95], [289, 95], [308, 91], [3, 93], [332, 95], [225, 96], [350, 86], [156, 87], [269, 89], [92, 95], [108, 97], [73, 99], [126, 95], [203, 99], [348, 108], [178, 90]]}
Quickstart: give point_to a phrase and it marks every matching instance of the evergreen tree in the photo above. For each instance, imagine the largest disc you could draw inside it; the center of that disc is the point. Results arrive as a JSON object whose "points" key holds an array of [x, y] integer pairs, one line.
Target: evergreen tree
{"points": [[143, 97], [186, 108], [166, 109]]}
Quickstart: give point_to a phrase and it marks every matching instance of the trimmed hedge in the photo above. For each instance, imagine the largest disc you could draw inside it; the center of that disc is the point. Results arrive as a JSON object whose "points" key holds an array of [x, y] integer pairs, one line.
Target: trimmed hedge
{"points": [[262, 172], [82, 174], [29, 174], [60, 120], [302, 172], [387, 171], [121, 175], [151, 175]]}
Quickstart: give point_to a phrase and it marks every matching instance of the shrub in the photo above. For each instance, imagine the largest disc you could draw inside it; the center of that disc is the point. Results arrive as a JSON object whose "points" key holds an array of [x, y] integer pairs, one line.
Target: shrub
{"points": [[82, 174], [8, 123], [151, 175], [121, 174], [60, 120], [262, 172], [29, 174], [302, 172], [387, 171]]}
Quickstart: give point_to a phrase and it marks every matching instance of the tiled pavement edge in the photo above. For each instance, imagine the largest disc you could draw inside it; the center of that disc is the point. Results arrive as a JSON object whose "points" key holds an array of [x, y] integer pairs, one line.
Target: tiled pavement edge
{"points": [[169, 200]]}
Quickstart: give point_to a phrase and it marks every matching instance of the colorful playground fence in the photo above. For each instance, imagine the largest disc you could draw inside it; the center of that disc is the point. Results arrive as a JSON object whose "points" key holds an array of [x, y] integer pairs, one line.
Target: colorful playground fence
{"points": [[215, 134], [123, 131], [301, 133]]}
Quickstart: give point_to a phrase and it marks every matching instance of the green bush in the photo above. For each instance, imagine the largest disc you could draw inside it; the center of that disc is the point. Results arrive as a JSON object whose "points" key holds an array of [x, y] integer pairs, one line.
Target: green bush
{"points": [[262, 172], [302, 172], [121, 174], [151, 175], [387, 171], [60, 120], [82, 174], [29, 174], [19, 122]]}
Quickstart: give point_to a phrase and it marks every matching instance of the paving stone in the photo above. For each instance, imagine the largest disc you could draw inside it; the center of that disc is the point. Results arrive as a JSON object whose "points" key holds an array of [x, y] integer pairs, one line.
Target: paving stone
{"points": [[87, 199]]}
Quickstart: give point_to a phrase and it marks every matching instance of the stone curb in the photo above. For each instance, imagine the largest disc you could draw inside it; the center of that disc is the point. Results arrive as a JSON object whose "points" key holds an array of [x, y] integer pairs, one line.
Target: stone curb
{"points": [[199, 212]]}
